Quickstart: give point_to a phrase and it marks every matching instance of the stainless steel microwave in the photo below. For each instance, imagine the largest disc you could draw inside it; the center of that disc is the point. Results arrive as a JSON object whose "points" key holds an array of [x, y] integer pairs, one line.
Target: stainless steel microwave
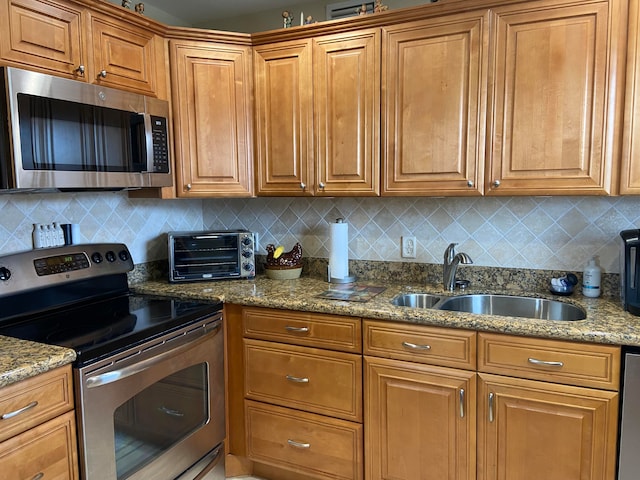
{"points": [[58, 134], [211, 255]]}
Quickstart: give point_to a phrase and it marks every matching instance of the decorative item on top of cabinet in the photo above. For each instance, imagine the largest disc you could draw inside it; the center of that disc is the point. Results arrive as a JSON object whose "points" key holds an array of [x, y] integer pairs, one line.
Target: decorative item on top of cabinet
{"points": [[420, 414], [554, 114], [317, 116], [434, 79], [211, 87]]}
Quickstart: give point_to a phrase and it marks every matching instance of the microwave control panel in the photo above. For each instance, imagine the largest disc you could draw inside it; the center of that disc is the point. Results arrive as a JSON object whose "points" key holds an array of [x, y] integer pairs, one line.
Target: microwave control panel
{"points": [[160, 144]]}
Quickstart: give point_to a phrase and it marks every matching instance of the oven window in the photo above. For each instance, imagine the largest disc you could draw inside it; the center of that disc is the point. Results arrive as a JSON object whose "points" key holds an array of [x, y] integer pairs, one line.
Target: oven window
{"points": [[158, 417]]}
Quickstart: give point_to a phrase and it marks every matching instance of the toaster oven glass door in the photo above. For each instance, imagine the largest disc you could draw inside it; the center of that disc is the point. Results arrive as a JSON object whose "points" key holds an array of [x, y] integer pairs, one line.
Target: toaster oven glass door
{"points": [[207, 256]]}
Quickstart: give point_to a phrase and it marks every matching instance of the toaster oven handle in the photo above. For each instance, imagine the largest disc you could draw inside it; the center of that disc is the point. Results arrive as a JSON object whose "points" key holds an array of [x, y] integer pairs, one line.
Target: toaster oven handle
{"points": [[115, 375], [204, 237]]}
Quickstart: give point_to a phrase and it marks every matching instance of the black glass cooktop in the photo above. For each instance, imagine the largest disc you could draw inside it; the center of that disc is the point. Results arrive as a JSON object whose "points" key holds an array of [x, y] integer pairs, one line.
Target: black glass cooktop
{"points": [[103, 327]]}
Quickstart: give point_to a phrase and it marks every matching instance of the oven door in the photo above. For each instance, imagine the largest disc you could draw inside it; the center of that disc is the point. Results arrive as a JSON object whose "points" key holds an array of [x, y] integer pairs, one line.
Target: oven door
{"points": [[153, 411]]}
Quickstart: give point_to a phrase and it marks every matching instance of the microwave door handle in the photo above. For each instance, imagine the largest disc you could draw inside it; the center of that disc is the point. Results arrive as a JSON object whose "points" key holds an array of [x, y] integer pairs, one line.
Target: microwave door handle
{"points": [[148, 140]]}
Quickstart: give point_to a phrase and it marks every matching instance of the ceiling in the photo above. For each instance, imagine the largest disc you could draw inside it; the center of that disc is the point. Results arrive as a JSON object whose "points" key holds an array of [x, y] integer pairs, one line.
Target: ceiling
{"points": [[198, 11]]}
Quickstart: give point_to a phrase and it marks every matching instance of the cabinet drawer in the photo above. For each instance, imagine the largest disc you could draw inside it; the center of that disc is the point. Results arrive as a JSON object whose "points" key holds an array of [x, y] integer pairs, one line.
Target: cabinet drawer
{"points": [[46, 451], [588, 365], [310, 444], [310, 329], [418, 343], [38, 399], [305, 378]]}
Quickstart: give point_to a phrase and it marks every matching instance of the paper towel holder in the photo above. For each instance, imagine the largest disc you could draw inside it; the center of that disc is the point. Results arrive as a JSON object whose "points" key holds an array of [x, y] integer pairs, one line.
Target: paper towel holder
{"points": [[348, 278]]}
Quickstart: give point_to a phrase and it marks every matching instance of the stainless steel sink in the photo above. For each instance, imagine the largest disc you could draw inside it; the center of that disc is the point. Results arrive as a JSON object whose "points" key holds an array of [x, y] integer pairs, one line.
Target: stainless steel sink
{"points": [[503, 305], [514, 306], [416, 300]]}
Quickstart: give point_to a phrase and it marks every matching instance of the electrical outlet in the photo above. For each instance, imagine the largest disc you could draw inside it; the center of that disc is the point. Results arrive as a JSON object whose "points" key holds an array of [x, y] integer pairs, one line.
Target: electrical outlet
{"points": [[408, 246]]}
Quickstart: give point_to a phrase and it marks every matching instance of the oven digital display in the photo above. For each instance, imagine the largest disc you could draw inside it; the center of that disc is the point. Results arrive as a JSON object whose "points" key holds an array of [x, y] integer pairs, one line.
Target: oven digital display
{"points": [[60, 264]]}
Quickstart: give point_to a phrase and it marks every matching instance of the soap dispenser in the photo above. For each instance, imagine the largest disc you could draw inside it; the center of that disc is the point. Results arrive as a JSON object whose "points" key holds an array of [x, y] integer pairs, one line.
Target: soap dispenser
{"points": [[591, 279]]}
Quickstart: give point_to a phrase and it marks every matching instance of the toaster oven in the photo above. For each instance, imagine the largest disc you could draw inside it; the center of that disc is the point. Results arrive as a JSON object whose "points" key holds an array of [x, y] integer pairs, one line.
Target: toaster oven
{"points": [[211, 255]]}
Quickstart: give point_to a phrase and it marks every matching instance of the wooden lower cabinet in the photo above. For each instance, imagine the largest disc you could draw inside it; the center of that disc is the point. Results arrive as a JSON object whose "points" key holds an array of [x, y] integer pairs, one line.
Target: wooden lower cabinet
{"points": [[315, 445], [533, 430], [47, 451], [420, 421]]}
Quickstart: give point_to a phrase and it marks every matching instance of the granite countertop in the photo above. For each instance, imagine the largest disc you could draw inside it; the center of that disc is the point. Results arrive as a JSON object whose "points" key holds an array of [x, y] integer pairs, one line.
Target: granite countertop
{"points": [[606, 321], [21, 359]]}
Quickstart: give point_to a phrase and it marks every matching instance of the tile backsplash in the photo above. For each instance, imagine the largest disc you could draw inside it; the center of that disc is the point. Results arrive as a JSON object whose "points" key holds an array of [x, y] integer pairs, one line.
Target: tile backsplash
{"points": [[554, 233]]}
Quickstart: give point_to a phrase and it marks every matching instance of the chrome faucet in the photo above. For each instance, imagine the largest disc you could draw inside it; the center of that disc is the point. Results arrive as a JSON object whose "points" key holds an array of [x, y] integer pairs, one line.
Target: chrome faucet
{"points": [[450, 265]]}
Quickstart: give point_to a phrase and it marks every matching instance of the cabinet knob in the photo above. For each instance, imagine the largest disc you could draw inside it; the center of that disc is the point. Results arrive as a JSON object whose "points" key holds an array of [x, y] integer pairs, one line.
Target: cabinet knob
{"points": [[469, 183], [102, 74], [80, 70], [189, 187], [321, 185], [496, 183], [302, 185]]}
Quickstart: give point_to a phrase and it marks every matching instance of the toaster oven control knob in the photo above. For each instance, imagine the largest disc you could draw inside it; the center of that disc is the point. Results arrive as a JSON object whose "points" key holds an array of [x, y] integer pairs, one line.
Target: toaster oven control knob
{"points": [[246, 241], [5, 274], [248, 267], [246, 254], [96, 257], [124, 255], [110, 256]]}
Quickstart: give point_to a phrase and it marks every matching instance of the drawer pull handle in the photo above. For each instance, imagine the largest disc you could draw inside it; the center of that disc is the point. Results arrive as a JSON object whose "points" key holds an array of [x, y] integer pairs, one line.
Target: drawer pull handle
{"points": [[415, 346], [38, 476], [293, 443], [6, 416], [291, 378], [544, 363], [462, 403], [289, 328], [491, 396]]}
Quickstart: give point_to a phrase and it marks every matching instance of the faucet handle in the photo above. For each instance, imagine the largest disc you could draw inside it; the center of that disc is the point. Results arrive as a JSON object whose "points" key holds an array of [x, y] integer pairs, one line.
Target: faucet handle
{"points": [[450, 252]]}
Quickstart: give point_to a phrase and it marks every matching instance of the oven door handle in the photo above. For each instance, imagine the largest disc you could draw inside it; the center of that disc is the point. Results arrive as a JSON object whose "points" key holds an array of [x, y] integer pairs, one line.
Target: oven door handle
{"points": [[122, 373]]}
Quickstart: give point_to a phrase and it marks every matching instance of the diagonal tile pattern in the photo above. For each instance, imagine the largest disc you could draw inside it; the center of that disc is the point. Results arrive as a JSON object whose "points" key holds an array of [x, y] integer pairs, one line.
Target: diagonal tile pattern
{"points": [[515, 232]]}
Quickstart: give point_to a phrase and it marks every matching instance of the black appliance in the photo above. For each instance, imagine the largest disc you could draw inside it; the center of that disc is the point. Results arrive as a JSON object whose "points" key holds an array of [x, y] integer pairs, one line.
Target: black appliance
{"points": [[130, 349], [630, 270]]}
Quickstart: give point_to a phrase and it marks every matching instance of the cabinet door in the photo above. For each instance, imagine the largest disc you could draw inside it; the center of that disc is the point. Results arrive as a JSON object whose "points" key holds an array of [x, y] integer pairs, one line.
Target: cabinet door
{"points": [[126, 56], [434, 79], [346, 93], [530, 430], [420, 421], [630, 173], [43, 35], [284, 123], [550, 100], [211, 87]]}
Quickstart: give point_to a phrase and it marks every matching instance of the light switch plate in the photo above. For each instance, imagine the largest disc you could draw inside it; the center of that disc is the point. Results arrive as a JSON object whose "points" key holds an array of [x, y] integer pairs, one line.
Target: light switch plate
{"points": [[408, 245]]}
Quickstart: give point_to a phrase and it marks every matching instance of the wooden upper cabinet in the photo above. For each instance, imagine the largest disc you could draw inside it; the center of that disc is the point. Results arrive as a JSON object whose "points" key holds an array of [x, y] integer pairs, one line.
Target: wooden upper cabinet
{"points": [[42, 34], [630, 169], [284, 118], [346, 101], [434, 79], [317, 115], [211, 88], [126, 56], [554, 78]]}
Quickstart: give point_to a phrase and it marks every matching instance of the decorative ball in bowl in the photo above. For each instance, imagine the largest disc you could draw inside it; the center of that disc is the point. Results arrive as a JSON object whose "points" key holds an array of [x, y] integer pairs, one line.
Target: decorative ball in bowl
{"points": [[283, 265]]}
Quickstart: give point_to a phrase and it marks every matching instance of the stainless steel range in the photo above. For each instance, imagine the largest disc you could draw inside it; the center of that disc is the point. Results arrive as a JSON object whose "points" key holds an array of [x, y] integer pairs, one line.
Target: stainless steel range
{"points": [[149, 376]]}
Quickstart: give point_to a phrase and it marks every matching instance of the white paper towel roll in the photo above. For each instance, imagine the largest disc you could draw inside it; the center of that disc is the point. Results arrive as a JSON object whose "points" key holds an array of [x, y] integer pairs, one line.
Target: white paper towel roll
{"points": [[339, 250]]}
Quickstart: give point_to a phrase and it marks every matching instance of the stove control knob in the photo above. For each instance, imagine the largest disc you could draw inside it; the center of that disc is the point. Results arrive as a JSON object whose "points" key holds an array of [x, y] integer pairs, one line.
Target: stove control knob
{"points": [[5, 274], [110, 256], [124, 255], [96, 257]]}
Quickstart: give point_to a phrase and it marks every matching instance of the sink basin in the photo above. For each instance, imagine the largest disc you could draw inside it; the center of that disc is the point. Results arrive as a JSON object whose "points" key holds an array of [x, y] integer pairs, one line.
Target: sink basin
{"points": [[514, 306], [416, 300]]}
